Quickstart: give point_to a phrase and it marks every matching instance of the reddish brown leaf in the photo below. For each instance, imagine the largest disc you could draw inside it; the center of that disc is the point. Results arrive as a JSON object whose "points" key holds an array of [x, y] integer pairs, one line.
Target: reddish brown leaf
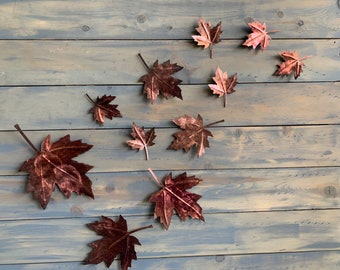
{"points": [[53, 165], [259, 36], [208, 36], [193, 134], [142, 139], [159, 80], [292, 63], [174, 196], [102, 108], [117, 240], [224, 85]]}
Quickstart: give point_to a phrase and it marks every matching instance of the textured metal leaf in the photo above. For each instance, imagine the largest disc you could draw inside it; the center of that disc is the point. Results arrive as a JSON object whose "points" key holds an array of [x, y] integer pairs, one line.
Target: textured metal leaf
{"points": [[159, 80], [174, 196], [117, 240], [53, 165]]}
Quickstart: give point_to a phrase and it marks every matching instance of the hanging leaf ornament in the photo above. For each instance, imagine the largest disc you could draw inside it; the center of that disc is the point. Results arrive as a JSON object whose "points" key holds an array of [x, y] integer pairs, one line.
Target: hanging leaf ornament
{"points": [[53, 165], [292, 64], [117, 240], [142, 139], [259, 36], [159, 80], [224, 85], [207, 35], [174, 196], [193, 133], [102, 108]]}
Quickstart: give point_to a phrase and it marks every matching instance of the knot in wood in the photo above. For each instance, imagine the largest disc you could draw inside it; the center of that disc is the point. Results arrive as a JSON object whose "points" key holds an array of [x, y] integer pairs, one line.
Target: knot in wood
{"points": [[301, 23], [141, 18], [85, 28], [330, 192], [280, 13]]}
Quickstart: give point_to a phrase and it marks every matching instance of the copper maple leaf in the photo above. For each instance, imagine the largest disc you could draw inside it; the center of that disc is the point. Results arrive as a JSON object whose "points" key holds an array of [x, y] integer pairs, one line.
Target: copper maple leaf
{"points": [[292, 63], [174, 196], [102, 108], [208, 36], [117, 240], [259, 35], [142, 139], [53, 165], [193, 134], [224, 85], [159, 80]]}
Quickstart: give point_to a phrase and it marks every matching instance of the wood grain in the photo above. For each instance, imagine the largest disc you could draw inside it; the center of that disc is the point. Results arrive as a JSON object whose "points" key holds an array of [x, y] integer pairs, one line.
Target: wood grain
{"points": [[270, 189], [51, 62], [246, 147], [223, 191], [329, 260], [232, 233], [156, 19], [252, 104]]}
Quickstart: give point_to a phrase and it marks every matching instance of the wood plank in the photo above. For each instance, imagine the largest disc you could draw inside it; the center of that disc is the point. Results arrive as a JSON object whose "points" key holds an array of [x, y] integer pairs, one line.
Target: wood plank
{"points": [[248, 147], [329, 260], [115, 62], [127, 193], [251, 104], [63, 240], [156, 19], [270, 190]]}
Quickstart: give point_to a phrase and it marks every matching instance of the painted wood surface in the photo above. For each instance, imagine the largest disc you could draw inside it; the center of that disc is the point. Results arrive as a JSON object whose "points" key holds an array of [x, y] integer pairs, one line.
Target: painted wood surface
{"points": [[246, 147], [228, 233], [55, 62], [304, 260], [222, 191], [251, 105], [270, 189], [145, 19]]}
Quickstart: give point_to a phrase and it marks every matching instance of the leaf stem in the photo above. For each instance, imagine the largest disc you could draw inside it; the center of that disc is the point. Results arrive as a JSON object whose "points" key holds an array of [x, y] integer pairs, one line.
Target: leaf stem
{"points": [[141, 138], [146, 153], [94, 103], [305, 57], [143, 61], [126, 234], [139, 229], [273, 31], [214, 123], [26, 138], [155, 178]]}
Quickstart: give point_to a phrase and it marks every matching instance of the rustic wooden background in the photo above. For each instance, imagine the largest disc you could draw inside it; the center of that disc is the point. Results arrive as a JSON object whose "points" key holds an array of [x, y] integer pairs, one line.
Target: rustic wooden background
{"points": [[270, 177]]}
